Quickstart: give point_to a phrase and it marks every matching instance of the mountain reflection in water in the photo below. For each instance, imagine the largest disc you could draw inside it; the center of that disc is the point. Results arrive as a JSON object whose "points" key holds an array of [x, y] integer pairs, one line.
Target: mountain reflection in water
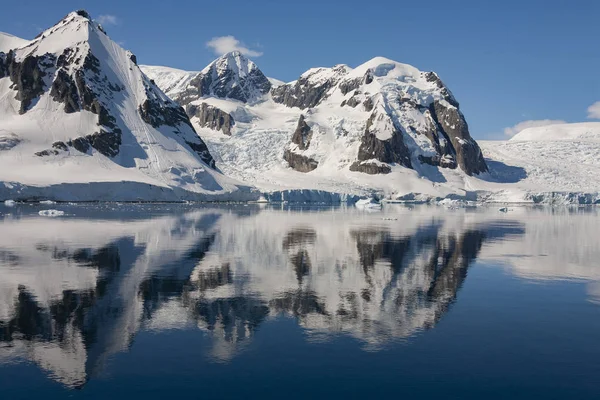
{"points": [[75, 291]]}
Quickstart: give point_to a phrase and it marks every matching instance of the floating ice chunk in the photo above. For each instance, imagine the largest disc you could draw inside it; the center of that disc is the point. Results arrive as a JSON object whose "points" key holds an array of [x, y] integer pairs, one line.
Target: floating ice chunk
{"points": [[368, 204], [51, 213], [47, 202], [9, 203]]}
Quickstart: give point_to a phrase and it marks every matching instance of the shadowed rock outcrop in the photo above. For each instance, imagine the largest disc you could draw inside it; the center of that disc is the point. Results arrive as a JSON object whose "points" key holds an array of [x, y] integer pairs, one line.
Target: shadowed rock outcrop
{"points": [[453, 124], [308, 91], [211, 117], [389, 151], [27, 76], [299, 162], [302, 135]]}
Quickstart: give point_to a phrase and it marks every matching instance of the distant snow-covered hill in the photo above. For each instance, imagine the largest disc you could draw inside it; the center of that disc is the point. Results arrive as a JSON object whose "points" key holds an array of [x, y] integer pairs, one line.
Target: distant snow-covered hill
{"points": [[584, 131], [8, 42], [556, 163], [80, 121]]}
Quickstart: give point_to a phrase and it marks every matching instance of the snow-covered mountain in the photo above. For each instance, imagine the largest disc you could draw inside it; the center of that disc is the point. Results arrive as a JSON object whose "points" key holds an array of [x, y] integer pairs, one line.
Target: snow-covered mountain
{"points": [[382, 126], [80, 121]]}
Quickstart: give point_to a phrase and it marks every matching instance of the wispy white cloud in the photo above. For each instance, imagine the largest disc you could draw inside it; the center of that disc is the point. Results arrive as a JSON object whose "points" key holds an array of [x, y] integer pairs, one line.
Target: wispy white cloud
{"points": [[513, 130], [594, 111], [225, 44], [107, 19]]}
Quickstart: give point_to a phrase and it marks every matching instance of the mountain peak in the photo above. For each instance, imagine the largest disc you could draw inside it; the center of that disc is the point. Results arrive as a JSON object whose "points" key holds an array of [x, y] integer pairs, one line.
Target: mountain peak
{"points": [[235, 53], [234, 61], [231, 76], [83, 13]]}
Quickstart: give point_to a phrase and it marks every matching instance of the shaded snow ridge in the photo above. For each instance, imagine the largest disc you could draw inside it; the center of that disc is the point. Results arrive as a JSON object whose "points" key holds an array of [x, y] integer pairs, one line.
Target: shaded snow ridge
{"points": [[379, 118], [77, 109]]}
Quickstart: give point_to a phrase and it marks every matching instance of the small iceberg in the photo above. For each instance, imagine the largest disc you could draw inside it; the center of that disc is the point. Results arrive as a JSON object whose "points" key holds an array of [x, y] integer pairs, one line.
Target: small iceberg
{"points": [[9, 203], [368, 204], [261, 200], [51, 213], [47, 202]]}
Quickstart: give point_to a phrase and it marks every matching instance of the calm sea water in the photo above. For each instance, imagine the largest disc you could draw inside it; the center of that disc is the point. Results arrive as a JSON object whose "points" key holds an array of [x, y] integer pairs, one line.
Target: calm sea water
{"points": [[163, 301]]}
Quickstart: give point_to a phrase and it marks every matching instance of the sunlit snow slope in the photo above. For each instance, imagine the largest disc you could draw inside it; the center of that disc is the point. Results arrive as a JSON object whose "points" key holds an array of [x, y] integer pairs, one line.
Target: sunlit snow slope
{"points": [[557, 163]]}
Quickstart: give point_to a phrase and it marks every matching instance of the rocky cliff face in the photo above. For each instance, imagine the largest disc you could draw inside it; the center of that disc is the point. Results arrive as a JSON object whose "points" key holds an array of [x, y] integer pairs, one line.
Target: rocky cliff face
{"points": [[211, 117], [311, 88]]}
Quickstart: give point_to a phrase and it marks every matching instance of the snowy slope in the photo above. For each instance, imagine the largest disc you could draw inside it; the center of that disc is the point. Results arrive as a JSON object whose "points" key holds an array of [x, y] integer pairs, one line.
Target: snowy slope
{"points": [[8, 42], [538, 161], [78, 110], [170, 80], [252, 137]]}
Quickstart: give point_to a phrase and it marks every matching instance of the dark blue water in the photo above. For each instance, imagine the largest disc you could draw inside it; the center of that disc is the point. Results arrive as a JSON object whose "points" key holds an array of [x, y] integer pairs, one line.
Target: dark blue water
{"points": [[163, 301]]}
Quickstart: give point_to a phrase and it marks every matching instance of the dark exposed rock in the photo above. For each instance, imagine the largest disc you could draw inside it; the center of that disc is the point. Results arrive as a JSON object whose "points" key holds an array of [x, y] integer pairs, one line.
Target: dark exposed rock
{"points": [[370, 168], [390, 151], [211, 117], [83, 13], [350, 85], [353, 84], [80, 144], [302, 135], [91, 63], [106, 143], [201, 149], [437, 161], [368, 77], [46, 153], [3, 65], [60, 146], [27, 77], [57, 147], [133, 58], [453, 125], [65, 58], [433, 77], [299, 162], [353, 102], [369, 104], [64, 90], [156, 113], [305, 93]]}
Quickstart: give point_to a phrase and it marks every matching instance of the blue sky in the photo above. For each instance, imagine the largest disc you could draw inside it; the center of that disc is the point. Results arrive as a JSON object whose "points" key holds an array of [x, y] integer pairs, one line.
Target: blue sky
{"points": [[506, 61]]}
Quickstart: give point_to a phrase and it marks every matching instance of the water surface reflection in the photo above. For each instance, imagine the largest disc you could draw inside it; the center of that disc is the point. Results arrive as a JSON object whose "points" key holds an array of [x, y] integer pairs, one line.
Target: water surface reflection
{"points": [[75, 291]]}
